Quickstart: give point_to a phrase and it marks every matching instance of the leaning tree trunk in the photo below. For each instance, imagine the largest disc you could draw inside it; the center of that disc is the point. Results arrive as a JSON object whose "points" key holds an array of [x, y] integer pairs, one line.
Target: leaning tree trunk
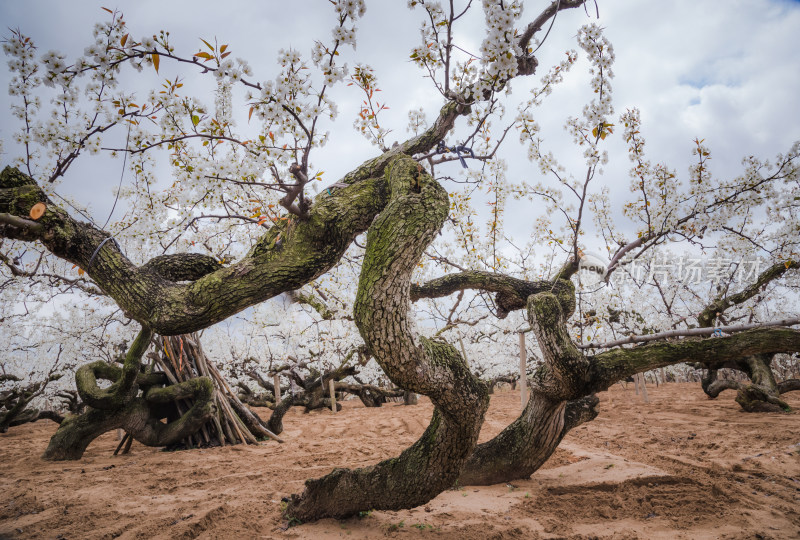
{"points": [[395, 241], [762, 394], [554, 407], [28, 416], [14, 402], [528, 442]]}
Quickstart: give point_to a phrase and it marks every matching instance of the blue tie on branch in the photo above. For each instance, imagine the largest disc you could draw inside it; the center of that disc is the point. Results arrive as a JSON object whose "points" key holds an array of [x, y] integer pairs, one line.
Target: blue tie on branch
{"points": [[441, 148]]}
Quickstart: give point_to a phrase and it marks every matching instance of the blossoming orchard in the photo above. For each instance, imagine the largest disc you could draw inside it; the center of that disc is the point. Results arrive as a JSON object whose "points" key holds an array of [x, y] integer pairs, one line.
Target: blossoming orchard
{"points": [[230, 268]]}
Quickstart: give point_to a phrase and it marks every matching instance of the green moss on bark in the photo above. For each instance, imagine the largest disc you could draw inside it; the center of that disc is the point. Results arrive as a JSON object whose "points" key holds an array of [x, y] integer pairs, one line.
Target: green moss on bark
{"points": [[416, 210]]}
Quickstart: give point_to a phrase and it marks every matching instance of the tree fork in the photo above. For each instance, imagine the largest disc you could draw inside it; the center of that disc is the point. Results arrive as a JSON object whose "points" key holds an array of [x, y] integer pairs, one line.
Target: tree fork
{"points": [[528, 442], [563, 388]]}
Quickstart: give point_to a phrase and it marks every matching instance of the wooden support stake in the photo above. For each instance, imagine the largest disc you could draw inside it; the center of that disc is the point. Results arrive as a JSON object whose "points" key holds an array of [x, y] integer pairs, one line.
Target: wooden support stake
{"points": [[463, 350], [122, 441], [127, 444], [523, 378], [644, 388], [332, 391], [276, 382]]}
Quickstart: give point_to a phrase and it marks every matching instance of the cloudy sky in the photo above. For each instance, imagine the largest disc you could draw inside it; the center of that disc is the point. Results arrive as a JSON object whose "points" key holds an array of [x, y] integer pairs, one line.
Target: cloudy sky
{"points": [[728, 72]]}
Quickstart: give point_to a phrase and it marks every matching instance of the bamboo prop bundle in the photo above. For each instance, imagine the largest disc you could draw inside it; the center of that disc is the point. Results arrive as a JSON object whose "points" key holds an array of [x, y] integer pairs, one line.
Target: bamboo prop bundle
{"points": [[182, 358]]}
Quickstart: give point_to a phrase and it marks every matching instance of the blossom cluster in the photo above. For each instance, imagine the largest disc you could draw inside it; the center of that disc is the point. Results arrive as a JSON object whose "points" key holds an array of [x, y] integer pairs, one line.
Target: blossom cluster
{"points": [[417, 123], [529, 128], [594, 124], [430, 54], [499, 50]]}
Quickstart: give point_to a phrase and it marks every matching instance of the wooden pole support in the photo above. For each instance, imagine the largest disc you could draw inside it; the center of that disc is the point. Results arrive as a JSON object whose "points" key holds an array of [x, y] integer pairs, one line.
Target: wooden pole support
{"points": [[463, 350], [523, 378], [644, 388], [332, 391], [276, 382]]}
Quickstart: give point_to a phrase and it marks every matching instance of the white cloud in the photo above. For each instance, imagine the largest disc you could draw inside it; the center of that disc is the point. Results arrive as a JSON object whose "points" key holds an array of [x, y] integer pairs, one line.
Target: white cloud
{"points": [[728, 72]]}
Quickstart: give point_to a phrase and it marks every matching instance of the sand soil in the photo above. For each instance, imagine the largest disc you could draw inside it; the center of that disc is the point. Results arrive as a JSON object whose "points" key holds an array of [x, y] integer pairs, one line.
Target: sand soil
{"points": [[681, 466]]}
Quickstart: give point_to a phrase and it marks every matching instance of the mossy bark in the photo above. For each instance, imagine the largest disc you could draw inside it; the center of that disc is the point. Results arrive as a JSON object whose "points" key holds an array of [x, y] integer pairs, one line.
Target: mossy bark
{"points": [[152, 295], [416, 210], [122, 406], [617, 364], [512, 293], [521, 448], [762, 394], [562, 389], [526, 444]]}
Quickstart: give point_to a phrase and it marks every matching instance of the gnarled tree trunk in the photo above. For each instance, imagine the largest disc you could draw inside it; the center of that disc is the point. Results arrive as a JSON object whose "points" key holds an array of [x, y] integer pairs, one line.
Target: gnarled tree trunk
{"points": [[528, 442], [763, 394], [524, 446], [562, 389], [415, 212], [119, 406]]}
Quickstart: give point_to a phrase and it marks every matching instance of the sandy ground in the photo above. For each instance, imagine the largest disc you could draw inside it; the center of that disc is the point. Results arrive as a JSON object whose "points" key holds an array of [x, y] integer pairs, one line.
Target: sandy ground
{"points": [[679, 467]]}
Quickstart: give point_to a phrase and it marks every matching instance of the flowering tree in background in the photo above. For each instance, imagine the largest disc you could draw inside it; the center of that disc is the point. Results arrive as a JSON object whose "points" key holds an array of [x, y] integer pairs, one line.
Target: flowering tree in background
{"points": [[239, 224]]}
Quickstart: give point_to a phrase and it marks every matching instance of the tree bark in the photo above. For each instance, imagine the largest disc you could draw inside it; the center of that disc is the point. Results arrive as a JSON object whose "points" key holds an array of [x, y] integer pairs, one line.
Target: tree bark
{"points": [[275, 422], [568, 378], [308, 248], [763, 392], [789, 385], [528, 442], [119, 406], [31, 415], [370, 395], [524, 446], [416, 210]]}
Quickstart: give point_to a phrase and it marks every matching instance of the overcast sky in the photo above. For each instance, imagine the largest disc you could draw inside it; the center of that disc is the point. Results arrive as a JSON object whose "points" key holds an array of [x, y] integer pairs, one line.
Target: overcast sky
{"points": [[727, 71]]}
